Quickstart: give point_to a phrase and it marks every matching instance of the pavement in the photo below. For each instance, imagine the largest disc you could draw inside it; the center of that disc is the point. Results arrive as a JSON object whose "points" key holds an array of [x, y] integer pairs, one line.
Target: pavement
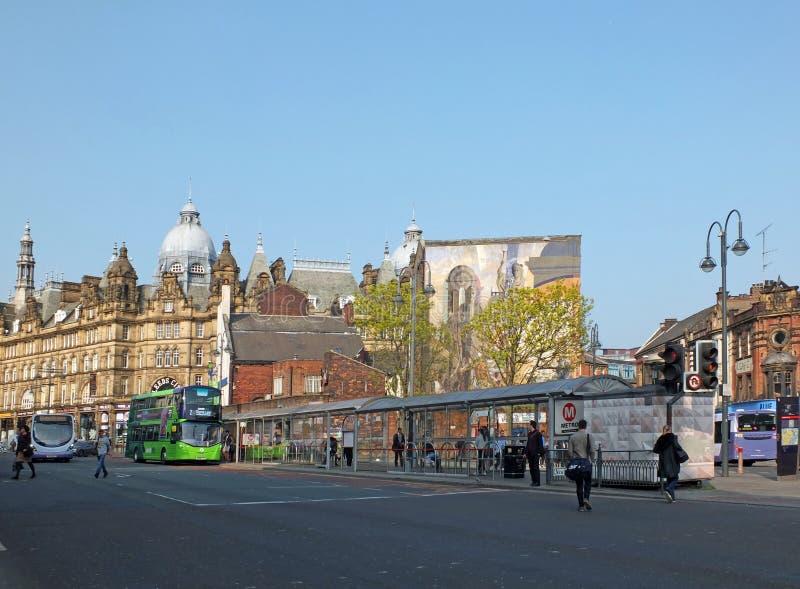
{"points": [[756, 485]]}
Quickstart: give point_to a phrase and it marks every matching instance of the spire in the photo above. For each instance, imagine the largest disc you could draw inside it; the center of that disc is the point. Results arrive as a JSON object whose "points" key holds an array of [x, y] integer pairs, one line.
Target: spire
{"points": [[386, 250], [25, 266], [258, 266], [190, 189]]}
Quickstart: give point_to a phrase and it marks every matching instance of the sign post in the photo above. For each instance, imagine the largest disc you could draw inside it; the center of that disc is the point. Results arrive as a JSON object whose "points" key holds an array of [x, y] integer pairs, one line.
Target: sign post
{"points": [[787, 413]]}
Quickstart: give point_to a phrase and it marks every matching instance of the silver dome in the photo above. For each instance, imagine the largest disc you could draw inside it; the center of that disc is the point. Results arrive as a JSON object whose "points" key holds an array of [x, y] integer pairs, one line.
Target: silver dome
{"points": [[187, 250]]}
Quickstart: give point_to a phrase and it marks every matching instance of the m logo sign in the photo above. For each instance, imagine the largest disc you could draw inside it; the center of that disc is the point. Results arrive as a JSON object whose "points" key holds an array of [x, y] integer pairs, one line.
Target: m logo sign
{"points": [[567, 415]]}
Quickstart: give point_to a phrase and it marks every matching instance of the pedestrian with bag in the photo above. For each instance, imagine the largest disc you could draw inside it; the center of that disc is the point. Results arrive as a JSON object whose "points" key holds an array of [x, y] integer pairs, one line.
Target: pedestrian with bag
{"points": [[103, 446], [24, 451], [534, 451], [398, 446], [581, 455], [670, 456]]}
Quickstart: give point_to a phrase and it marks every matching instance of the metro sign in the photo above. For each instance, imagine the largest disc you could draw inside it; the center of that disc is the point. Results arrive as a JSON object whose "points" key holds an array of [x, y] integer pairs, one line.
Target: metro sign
{"points": [[567, 415]]}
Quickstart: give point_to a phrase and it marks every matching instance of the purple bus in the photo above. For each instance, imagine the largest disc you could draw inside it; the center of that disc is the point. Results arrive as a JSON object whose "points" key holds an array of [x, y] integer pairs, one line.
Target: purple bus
{"points": [[752, 428]]}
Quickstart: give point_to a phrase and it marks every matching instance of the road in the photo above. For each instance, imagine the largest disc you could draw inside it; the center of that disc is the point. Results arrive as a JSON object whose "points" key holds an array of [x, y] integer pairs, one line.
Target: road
{"points": [[154, 526]]}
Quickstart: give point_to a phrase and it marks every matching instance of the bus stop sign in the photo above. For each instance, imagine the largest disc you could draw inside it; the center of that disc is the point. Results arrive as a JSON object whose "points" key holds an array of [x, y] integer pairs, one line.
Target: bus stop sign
{"points": [[567, 415]]}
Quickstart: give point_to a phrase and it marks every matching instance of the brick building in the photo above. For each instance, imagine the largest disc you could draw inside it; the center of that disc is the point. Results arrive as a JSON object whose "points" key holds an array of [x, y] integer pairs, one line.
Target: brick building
{"points": [[763, 341]]}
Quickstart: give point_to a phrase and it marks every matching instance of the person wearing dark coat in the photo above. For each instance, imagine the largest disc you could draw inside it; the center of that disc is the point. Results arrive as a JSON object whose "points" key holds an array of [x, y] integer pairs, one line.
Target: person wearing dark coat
{"points": [[398, 446], [668, 465], [534, 450], [24, 452]]}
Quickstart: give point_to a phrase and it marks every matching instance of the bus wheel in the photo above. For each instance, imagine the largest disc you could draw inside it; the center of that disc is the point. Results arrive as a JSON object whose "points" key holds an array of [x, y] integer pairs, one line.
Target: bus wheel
{"points": [[136, 456], [163, 455]]}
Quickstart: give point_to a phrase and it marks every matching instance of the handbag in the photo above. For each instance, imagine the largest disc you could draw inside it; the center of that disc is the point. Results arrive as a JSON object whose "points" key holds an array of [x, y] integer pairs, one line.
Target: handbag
{"points": [[28, 452], [681, 454], [575, 469]]}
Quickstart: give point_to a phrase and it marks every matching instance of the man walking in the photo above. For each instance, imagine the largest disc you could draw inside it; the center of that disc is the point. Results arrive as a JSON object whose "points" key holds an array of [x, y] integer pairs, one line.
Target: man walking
{"points": [[580, 447], [534, 450], [398, 445], [103, 450]]}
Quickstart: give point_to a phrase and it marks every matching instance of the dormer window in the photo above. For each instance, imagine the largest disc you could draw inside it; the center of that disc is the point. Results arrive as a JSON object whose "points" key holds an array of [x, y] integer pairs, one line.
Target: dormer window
{"points": [[176, 268], [197, 269], [169, 306]]}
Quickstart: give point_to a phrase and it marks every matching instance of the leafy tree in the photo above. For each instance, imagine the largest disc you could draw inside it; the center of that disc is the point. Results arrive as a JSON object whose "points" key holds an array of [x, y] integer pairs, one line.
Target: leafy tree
{"points": [[387, 325], [530, 333]]}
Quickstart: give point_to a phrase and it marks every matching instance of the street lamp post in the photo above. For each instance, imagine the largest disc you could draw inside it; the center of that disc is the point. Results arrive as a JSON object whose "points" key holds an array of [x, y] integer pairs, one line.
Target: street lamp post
{"points": [[595, 343], [426, 290], [707, 264]]}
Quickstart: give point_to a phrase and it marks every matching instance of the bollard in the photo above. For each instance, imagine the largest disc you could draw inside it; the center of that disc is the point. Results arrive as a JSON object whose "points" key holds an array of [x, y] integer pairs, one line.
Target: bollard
{"points": [[740, 452]]}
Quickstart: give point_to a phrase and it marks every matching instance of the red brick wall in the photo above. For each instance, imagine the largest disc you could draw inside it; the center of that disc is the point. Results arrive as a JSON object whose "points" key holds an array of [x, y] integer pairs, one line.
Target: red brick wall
{"points": [[349, 379], [283, 300], [346, 379]]}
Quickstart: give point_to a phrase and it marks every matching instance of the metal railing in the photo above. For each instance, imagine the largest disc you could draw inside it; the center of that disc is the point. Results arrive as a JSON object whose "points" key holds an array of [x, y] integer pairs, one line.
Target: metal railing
{"points": [[633, 468]]}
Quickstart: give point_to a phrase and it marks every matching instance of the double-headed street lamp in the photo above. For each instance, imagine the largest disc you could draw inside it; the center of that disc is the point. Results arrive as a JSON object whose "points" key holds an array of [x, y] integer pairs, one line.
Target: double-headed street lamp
{"points": [[594, 343], [426, 290], [707, 264]]}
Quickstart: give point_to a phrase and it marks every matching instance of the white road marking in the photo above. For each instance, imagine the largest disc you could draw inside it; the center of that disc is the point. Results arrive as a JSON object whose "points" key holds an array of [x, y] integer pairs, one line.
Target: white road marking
{"points": [[322, 500]]}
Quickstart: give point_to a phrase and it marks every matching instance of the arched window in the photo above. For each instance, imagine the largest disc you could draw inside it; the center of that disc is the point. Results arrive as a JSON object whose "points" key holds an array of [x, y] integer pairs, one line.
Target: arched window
{"points": [[25, 372], [175, 357], [95, 362], [159, 358], [197, 269], [461, 294], [27, 400], [176, 268], [167, 358], [86, 363]]}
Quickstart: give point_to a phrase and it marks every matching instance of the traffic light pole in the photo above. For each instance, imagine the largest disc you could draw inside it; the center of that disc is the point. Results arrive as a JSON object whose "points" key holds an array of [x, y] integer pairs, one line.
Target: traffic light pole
{"points": [[726, 429], [740, 247]]}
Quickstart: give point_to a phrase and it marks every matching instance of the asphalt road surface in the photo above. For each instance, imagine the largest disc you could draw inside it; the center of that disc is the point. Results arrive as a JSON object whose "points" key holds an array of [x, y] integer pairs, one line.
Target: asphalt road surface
{"points": [[153, 526]]}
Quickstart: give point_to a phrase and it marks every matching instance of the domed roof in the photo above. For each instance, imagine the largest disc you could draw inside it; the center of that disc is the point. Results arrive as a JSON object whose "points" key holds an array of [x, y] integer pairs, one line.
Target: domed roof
{"points": [[122, 266], [188, 238], [411, 238]]}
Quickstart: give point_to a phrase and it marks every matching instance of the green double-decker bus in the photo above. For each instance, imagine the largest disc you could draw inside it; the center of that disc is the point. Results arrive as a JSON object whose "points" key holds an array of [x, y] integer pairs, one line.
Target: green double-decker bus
{"points": [[182, 424]]}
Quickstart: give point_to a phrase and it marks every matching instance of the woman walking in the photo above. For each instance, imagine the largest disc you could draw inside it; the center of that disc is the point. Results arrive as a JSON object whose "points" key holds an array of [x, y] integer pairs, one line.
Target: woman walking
{"points": [[24, 451], [669, 466]]}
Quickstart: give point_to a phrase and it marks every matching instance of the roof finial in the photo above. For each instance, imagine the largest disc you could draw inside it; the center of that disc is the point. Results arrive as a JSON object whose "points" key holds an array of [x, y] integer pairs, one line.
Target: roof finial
{"points": [[386, 249], [190, 189], [413, 213], [294, 259], [260, 244]]}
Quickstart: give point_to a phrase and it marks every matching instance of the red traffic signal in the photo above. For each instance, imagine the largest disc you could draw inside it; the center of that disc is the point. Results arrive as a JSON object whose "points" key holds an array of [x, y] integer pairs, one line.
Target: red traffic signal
{"points": [[673, 365]]}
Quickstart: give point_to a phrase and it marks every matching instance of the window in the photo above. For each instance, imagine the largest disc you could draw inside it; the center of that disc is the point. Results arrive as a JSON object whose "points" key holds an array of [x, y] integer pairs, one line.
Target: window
{"points": [[124, 386], [199, 329], [141, 360], [25, 372], [168, 306], [198, 357], [159, 359], [126, 332], [159, 331], [168, 330], [176, 268], [313, 384], [198, 379], [110, 332], [197, 269], [27, 400], [74, 365], [175, 357], [109, 361], [86, 364], [141, 332], [756, 422], [176, 329], [139, 386], [167, 358], [277, 385], [85, 395], [63, 394], [125, 359], [95, 362]]}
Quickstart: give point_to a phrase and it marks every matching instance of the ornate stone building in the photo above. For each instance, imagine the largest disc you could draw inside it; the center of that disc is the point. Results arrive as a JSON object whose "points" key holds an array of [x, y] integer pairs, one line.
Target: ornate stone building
{"points": [[87, 347]]}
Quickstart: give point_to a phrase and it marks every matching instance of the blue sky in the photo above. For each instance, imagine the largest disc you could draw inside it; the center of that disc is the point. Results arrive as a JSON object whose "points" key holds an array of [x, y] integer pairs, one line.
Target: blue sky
{"points": [[321, 124]]}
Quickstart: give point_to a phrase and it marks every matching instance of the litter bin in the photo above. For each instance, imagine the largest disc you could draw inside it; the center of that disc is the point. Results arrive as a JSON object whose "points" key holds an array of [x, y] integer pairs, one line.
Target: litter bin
{"points": [[514, 462]]}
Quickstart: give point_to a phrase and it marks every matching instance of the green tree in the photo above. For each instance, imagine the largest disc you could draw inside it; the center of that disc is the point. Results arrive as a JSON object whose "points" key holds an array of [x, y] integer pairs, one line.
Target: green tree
{"points": [[386, 325], [530, 333]]}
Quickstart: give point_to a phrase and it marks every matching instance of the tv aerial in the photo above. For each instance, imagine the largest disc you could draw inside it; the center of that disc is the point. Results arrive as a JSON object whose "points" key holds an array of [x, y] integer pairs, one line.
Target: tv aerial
{"points": [[764, 250]]}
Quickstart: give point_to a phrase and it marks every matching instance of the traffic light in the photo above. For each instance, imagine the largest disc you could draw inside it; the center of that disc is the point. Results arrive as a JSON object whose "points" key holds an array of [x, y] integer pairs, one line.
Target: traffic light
{"points": [[673, 366], [706, 354]]}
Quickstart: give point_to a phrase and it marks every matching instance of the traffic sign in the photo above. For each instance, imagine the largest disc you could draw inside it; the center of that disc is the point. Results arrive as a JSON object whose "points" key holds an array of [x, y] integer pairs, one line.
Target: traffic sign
{"points": [[692, 382]]}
